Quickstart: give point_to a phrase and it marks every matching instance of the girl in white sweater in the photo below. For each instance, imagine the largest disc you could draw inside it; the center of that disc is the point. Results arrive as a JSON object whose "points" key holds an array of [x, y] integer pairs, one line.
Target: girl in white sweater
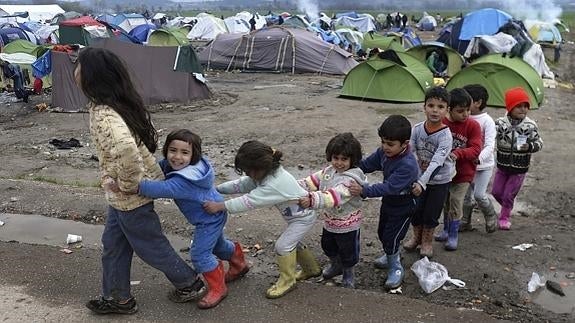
{"points": [[485, 163], [268, 184]]}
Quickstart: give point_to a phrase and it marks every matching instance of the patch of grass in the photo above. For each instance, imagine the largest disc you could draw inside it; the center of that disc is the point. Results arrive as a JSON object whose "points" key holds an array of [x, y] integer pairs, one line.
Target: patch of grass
{"points": [[568, 18]]}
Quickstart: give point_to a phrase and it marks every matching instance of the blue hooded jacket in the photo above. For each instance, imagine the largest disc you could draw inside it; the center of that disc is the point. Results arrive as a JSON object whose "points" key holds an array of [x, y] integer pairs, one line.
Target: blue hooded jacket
{"points": [[189, 187]]}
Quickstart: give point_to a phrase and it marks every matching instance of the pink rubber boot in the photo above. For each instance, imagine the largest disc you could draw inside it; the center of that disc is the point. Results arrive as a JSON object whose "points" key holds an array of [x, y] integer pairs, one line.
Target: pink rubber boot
{"points": [[504, 221]]}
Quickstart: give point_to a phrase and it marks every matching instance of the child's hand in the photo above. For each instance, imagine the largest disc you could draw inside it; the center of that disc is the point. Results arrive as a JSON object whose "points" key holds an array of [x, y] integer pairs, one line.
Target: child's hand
{"points": [[355, 189], [110, 185], [304, 202], [524, 147], [214, 207], [423, 165], [453, 156], [416, 189]]}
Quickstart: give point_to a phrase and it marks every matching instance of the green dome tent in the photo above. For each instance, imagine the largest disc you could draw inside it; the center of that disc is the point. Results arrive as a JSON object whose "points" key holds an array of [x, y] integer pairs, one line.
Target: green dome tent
{"points": [[498, 74], [389, 76], [168, 37], [375, 40], [454, 60], [24, 46]]}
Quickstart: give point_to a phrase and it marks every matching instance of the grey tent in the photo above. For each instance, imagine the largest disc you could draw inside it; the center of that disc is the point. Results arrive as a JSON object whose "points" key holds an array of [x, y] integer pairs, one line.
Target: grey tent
{"points": [[152, 70], [276, 49]]}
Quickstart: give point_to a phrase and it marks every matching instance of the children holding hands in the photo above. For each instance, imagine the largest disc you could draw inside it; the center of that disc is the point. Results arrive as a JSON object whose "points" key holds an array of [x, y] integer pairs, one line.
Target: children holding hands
{"points": [[190, 182], [467, 144], [341, 212], [517, 138], [431, 141], [400, 170], [478, 189], [265, 184]]}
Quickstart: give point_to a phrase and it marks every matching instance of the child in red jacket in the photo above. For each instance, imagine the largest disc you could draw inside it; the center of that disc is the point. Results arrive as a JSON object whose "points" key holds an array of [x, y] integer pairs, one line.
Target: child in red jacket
{"points": [[467, 144]]}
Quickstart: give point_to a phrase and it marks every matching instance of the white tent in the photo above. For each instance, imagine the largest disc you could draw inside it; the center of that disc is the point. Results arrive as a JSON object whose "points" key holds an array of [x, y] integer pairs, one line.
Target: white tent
{"points": [[362, 24], [351, 36], [237, 25], [207, 27], [35, 12], [245, 15], [427, 22], [48, 31]]}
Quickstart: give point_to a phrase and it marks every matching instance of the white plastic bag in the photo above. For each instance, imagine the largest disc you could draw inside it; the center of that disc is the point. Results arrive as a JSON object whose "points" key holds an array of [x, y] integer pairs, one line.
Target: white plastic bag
{"points": [[535, 282], [432, 275]]}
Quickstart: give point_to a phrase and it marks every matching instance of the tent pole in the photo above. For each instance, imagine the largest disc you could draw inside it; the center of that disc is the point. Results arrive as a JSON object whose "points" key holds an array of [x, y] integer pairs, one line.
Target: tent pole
{"points": [[235, 52], [325, 59]]}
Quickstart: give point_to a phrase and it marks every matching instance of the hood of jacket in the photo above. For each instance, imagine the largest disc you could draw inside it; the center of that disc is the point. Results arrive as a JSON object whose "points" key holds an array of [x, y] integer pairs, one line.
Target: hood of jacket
{"points": [[201, 174], [357, 174]]}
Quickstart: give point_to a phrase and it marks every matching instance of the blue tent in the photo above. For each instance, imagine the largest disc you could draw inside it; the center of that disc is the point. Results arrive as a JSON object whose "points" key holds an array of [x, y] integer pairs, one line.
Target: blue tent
{"points": [[10, 34], [120, 34], [127, 21], [106, 17], [141, 32], [481, 22]]}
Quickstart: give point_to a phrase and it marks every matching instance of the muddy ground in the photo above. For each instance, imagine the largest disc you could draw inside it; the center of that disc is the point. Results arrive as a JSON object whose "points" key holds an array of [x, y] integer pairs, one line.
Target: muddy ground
{"points": [[298, 114]]}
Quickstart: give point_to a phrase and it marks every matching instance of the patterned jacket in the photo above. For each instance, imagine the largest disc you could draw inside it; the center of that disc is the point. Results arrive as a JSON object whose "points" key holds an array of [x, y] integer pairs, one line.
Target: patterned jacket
{"points": [[329, 193], [121, 158], [509, 158]]}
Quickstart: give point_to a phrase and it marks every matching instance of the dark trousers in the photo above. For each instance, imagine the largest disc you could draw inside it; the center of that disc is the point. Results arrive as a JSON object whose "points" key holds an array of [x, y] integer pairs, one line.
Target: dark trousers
{"points": [[139, 231], [342, 245], [394, 219], [430, 205], [19, 89]]}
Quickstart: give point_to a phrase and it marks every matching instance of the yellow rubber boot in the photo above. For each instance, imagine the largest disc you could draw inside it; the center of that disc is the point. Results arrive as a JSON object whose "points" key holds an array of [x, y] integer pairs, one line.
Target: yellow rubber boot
{"points": [[309, 266], [286, 281]]}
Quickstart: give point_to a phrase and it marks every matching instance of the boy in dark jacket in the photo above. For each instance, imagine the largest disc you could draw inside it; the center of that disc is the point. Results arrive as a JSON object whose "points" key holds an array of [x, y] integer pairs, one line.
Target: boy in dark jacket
{"points": [[400, 170]]}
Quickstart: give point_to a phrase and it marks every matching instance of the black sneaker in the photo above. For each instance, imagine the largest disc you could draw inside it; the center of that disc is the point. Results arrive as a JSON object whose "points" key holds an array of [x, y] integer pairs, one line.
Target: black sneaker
{"points": [[183, 295], [104, 306]]}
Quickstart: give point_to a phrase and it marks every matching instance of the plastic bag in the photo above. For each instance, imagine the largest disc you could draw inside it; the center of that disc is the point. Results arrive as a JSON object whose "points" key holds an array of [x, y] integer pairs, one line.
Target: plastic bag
{"points": [[432, 275], [535, 282]]}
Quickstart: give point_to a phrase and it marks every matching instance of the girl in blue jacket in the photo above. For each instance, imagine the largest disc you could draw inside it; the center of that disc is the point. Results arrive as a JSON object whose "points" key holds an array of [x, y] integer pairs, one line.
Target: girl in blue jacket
{"points": [[190, 182]]}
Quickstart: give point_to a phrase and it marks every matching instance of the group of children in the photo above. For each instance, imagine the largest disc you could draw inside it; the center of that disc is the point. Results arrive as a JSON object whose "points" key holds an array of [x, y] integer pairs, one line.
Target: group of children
{"points": [[436, 166]]}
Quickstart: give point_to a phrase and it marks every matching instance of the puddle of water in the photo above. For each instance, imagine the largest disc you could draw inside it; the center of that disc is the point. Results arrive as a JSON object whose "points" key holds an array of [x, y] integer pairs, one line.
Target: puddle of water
{"points": [[553, 302]]}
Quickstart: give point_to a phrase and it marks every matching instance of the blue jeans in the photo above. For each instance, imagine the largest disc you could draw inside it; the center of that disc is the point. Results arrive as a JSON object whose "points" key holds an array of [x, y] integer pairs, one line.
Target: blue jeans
{"points": [[139, 231], [209, 243]]}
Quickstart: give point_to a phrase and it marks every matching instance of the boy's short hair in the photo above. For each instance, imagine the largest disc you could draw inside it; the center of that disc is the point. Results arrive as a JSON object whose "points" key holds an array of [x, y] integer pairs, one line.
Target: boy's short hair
{"points": [[459, 98], [478, 92], [395, 127], [437, 92]]}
